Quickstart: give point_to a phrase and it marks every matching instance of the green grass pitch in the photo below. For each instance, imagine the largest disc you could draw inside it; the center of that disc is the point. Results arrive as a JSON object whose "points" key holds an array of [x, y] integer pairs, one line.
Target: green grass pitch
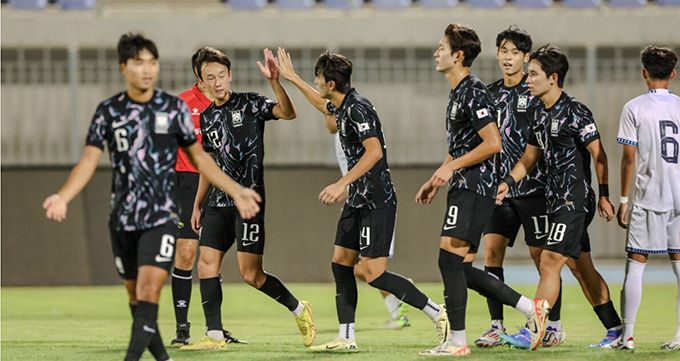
{"points": [[93, 323]]}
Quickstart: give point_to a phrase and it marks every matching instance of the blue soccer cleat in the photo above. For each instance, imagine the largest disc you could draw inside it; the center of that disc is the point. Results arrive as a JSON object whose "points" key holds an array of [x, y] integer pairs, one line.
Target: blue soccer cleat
{"points": [[519, 340]]}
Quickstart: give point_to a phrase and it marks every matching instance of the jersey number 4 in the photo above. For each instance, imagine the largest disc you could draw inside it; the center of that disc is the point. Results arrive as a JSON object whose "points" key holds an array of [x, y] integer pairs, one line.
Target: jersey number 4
{"points": [[669, 145]]}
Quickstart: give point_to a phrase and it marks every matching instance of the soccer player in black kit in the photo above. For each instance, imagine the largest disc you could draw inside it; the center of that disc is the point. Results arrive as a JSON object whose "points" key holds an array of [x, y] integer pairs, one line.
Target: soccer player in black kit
{"points": [[470, 169], [233, 131], [142, 127], [367, 221], [564, 136]]}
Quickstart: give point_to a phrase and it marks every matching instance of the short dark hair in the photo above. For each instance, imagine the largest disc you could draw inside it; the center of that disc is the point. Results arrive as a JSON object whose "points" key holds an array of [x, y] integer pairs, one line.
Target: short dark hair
{"points": [[129, 46], [210, 55], [463, 38], [335, 67], [553, 61], [517, 35], [658, 61]]}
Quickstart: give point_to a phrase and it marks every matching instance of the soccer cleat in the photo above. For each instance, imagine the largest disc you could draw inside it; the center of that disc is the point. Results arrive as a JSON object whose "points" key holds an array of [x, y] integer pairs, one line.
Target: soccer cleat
{"points": [[671, 345], [628, 345], [231, 339], [181, 335], [447, 349], [305, 323], [553, 337], [397, 324], [522, 339], [206, 343], [611, 340], [442, 325], [536, 323], [490, 338], [337, 345], [403, 309]]}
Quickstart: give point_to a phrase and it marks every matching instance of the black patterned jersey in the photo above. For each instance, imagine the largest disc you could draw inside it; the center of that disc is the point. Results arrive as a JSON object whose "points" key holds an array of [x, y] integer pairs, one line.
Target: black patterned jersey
{"points": [[512, 104], [234, 133], [142, 139], [563, 133], [470, 109], [357, 121]]}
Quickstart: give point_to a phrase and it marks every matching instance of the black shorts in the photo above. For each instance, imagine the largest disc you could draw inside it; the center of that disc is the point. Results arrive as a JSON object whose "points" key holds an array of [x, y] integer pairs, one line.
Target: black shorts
{"points": [[367, 231], [148, 247], [529, 212], [187, 185], [568, 233], [466, 214], [221, 226]]}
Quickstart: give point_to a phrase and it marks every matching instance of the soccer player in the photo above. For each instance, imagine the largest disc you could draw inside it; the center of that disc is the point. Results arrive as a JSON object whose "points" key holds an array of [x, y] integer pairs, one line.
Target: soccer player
{"points": [[470, 166], [233, 131], [650, 135], [197, 99], [565, 134], [142, 128], [395, 307], [526, 204], [367, 221]]}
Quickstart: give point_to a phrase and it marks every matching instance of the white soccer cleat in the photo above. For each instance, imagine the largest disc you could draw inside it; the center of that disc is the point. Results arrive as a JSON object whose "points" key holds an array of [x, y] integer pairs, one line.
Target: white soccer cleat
{"points": [[671, 345], [447, 349]]}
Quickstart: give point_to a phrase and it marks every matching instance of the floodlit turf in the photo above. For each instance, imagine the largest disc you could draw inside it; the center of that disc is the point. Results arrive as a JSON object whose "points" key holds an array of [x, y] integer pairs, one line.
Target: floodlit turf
{"points": [[93, 323]]}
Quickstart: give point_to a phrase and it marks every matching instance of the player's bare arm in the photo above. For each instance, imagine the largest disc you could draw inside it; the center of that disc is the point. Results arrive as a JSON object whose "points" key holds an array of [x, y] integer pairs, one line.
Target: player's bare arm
{"points": [[490, 145], [605, 208], [372, 155], [270, 69], [428, 191], [331, 123], [246, 200], [56, 205], [628, 159], [288, 72], [201, 192], [519, 171]]}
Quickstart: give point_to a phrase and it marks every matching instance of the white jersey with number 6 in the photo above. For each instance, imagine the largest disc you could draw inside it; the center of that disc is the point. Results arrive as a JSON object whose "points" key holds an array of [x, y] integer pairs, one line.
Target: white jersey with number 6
{"points": [[651, 122]]}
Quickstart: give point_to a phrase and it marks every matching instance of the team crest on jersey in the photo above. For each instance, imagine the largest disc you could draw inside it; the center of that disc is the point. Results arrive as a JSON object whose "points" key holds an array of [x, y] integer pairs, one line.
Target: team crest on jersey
{"points": [[162, 124], [236, 119], [522, 103], [554, 127]]}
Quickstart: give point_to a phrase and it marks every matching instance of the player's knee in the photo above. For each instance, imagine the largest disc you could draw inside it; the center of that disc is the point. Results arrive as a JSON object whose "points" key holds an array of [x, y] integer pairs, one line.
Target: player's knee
{"points": [[184, 258], [253, 277], [149, 291], [493, 257]]}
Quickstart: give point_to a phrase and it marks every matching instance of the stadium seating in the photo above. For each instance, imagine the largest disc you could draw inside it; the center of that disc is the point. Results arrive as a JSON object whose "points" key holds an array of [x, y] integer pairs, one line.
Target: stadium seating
{"points": [[437, 3], [247, 4], [295, 4], [28, 4], [343, 4], [581, 3], [77, 4], [627, 3], [391, 4], [485, 3], [533, 3]]}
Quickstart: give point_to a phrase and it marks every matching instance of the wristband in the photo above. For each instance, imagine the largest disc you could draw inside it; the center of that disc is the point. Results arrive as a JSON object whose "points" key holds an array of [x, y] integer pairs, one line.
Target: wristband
{"points": [[623, 200], [509, 180], [604, 190]]}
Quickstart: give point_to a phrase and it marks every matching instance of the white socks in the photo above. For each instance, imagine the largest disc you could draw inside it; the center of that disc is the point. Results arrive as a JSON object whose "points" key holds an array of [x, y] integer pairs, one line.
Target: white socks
{"points": [[631, 295], [497, 324], [555, 324], [216, 334], [432, 310], [526, 306], [676, 270], [298, 310], [392, 303], [457, 338], [346, 331]]}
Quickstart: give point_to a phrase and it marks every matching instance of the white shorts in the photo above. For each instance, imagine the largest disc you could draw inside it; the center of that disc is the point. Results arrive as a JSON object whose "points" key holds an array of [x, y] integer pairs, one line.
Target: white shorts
{"points": [[651, 232]]}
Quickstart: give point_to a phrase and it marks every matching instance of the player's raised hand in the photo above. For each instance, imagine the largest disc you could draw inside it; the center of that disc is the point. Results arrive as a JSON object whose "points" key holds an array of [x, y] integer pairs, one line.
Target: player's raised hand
{"points": [[55, 208], [605, 208], [622, 215], [426, 193], [196, 219], [286, 64], [270, 68], [332, 194], [247, 203], [501, 193], [441, 176]]}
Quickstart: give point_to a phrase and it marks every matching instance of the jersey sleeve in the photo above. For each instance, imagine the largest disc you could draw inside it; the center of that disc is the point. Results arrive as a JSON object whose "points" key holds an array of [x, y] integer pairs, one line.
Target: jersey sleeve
{"points": [[264, 107], [205, 139], [98, 131], [584, 124], [185, 136], [331, 108], [482, 111], [364, 120], [627, 131]]}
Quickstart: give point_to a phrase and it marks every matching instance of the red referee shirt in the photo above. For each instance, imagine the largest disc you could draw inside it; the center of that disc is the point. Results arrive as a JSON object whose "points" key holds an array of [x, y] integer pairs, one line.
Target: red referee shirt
{"points": [[197, 102]]}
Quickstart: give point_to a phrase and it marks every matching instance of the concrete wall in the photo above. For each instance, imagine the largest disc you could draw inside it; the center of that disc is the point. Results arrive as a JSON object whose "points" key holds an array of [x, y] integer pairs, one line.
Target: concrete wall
{"points": [[300, 230]]}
